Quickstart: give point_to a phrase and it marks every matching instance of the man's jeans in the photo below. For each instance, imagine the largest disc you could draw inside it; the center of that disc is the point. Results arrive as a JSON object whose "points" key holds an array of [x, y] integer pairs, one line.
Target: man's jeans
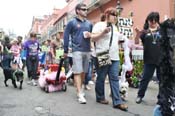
{"points": [[112, 71], [147, 76]]}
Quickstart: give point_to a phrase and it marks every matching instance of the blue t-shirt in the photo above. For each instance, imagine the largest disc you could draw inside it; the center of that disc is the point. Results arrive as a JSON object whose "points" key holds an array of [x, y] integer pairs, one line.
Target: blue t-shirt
{"points": [[23, 54], [75, 29]]}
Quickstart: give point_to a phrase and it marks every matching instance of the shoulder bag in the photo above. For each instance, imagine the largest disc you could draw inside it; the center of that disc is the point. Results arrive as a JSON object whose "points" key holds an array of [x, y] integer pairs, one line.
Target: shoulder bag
{"points": [[104, 57]]}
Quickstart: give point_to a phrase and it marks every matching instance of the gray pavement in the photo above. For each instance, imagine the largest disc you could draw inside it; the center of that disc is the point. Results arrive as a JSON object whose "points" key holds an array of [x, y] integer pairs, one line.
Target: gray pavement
{"points": [[32, 101]]}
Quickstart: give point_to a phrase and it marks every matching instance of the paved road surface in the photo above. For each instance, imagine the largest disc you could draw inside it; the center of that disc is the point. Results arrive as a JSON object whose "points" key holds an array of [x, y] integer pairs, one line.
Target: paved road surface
{"points": [[32, 101]]}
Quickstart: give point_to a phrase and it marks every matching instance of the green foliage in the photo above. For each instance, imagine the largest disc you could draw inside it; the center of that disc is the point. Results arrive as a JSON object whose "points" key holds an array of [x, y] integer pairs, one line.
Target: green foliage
{"points": [[138, 67], [137, 64], [121, 55], [135, 81]]}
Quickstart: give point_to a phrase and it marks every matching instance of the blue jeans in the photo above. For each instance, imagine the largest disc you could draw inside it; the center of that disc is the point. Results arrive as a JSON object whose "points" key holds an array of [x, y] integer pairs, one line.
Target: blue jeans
{"points": [[147, 76], [157, 111], [88, 76], [6, 61], [112, 71]]}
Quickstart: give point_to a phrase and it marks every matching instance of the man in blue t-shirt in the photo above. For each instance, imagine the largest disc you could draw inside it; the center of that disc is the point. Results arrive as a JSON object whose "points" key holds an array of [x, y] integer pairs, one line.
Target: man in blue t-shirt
{"points": [[80, 46]]}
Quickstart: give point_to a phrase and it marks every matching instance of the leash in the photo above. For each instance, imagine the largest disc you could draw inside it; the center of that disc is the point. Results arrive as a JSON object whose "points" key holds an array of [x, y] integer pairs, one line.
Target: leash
{"points": [[14, 76]]}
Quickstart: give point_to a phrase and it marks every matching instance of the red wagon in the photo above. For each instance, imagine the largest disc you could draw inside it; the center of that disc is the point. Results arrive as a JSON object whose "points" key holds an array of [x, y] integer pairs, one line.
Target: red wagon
{"points": [[54, 81]]}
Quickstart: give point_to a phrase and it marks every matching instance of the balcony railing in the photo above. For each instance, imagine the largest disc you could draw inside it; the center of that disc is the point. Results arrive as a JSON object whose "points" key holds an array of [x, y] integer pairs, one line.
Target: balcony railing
{"points": [[93, 4]]}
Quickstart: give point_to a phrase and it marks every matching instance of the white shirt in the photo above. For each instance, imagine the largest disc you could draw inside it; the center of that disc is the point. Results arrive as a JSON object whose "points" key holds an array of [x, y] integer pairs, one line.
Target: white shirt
{"points": [[103, 43]]}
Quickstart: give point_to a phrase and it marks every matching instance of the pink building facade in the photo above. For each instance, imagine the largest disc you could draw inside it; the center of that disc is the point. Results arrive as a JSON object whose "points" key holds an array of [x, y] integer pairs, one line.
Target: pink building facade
{"points": [[139, 9]]}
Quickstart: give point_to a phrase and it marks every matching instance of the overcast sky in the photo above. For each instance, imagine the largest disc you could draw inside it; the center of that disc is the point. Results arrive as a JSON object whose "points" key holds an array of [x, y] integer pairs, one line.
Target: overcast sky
{"points": [[16, 15]]}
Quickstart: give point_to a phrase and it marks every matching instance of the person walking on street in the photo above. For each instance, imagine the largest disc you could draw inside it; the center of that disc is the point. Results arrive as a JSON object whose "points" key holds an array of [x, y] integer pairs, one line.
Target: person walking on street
{"points": [[22, 52], [80, 47], [6, 56], [150, 38], [15, 50], [88, 76], [32, 48], [106, 37], [56, 46]]}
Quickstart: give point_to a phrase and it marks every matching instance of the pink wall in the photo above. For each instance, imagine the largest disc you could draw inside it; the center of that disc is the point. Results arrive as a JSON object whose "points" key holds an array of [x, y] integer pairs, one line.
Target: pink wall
{"points": [[140, 9]]}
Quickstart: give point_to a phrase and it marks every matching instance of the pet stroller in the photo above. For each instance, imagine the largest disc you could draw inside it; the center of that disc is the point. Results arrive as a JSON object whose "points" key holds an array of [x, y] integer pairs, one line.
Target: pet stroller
{"points": [[53, 79]]}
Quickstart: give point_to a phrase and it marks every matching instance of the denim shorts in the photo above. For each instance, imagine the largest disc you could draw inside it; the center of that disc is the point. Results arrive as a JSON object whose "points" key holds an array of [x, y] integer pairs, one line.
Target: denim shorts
{"points": [[80, 62]]}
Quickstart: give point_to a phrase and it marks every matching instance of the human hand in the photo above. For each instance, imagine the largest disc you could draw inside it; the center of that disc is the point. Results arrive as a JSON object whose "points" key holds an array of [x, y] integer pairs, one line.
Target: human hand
{"points": [[70, 49], [65, 55], [106, 30], [138, 31], [86, 34]]}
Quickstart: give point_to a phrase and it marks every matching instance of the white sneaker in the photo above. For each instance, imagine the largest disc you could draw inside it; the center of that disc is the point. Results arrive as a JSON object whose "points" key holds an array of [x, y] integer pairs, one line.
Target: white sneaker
{"points": [[34, 82], [29, 82], [81, 99], [82, 93], [87, 87], [91, 82]]}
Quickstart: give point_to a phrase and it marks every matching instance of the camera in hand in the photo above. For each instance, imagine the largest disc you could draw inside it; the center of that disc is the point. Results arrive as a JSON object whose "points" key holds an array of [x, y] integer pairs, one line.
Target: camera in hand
{"points": [[121, 41], [109, 24]]}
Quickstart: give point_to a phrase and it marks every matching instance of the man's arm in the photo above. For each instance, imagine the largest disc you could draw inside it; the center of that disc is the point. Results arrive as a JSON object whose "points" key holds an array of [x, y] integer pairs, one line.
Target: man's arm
{"points": [[67, 33]]}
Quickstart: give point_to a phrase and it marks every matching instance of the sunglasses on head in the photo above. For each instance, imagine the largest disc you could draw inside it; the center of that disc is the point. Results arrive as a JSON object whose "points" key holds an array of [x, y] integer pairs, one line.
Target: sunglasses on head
{"points": [[83, 9]]}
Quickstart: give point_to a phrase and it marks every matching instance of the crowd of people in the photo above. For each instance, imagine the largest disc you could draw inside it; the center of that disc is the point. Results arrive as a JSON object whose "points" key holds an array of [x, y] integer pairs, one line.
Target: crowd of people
{"points": [[18, 53], [105, 37], [76, 46]]}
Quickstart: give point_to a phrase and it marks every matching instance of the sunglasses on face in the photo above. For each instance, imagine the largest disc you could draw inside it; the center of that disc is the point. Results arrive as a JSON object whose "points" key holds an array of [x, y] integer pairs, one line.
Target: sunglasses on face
{"points": [[155, 20], [113, 14], [83, 9]]}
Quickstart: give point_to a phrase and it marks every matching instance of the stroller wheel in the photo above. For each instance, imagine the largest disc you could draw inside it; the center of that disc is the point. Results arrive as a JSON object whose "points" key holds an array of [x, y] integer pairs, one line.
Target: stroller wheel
{"points": [[64, 87], [46, 89]]}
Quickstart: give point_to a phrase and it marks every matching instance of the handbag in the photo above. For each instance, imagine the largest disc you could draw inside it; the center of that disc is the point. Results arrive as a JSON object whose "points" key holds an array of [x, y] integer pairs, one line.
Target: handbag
{"points": [[103, 58]]}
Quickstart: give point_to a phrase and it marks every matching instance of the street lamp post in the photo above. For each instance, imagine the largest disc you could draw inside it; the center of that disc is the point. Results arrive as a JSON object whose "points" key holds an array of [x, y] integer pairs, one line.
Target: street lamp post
{"points": [[119, 8]]}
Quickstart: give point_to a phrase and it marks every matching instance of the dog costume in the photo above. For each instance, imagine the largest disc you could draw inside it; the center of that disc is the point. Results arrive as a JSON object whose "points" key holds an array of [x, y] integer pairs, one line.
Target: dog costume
{"points": [[166, 97]]}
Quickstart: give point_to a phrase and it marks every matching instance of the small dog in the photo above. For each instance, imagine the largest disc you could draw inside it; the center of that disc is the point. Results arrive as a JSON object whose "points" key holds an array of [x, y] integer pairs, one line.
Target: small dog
{"points": [[124, 86], [123, 89], [14, 75]]}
